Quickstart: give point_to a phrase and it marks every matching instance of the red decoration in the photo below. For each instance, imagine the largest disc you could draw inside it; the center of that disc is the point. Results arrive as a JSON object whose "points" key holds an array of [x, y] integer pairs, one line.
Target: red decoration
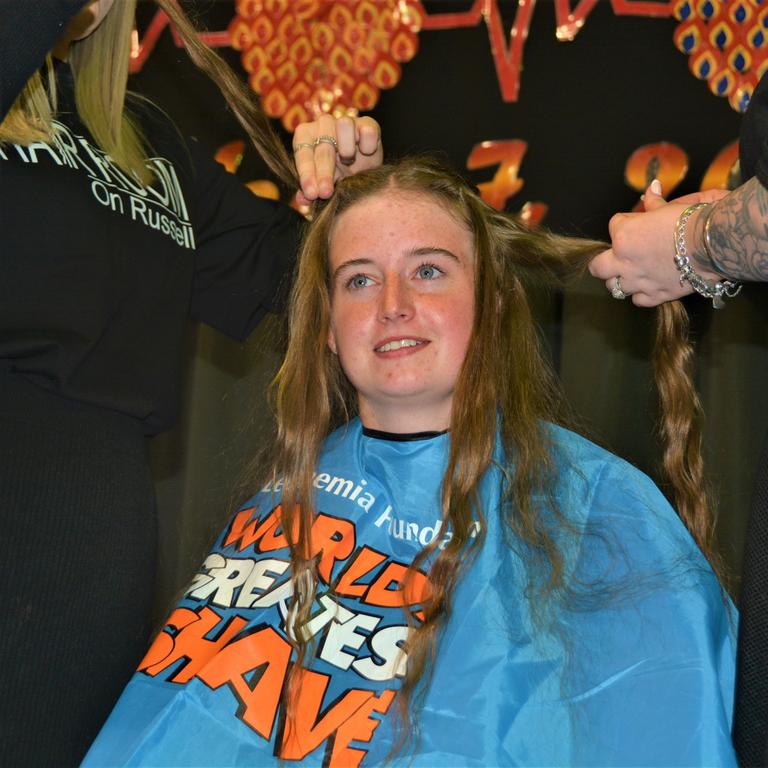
{"points": [[663, 161], [723, 173], [253, 38], [306, 57], [310, 57], [142, 47], [568, 21], [507, 155]]}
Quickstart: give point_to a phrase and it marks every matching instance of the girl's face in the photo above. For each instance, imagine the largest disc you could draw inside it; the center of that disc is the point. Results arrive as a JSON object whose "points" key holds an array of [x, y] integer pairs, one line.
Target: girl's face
{"points": [[402, 307]]}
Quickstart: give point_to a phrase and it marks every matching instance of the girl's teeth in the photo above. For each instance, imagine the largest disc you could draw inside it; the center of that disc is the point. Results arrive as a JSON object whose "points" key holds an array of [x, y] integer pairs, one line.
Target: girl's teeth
{"points": [[390, 345]]}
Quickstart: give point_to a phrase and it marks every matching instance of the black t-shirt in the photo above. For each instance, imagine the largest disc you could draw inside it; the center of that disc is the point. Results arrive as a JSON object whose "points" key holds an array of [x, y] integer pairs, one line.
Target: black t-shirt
{"points": [[99, 274]]}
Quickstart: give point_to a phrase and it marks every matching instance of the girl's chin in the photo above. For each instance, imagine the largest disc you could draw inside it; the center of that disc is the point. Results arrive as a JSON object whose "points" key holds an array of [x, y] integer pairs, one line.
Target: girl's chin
{"points": [[413, 410]]}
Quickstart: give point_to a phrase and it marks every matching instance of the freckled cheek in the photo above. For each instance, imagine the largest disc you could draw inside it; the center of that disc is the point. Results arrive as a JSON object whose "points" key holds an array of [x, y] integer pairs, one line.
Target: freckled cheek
{"points": [[462, 333], [352, 336]]}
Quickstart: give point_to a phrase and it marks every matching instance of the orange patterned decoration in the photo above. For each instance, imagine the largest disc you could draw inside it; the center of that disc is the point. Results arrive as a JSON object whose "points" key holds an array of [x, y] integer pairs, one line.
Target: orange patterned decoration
{"points": [[727, 44], [507, 156], [309, 57], [724, 171], [663, 161]]}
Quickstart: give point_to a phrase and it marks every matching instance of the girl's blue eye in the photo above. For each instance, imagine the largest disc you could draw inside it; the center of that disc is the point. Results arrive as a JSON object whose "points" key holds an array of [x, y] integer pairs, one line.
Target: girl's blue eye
{"points": [[358, 281], [428, 272]]}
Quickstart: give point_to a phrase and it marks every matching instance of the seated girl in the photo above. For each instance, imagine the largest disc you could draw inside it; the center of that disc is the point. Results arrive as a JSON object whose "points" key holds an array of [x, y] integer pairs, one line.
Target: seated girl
{"points": [[450, 577]]}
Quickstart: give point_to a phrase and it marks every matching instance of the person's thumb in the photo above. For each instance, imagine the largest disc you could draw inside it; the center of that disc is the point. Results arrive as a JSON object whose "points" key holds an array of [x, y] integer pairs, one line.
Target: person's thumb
{"points": [[652, 199]]}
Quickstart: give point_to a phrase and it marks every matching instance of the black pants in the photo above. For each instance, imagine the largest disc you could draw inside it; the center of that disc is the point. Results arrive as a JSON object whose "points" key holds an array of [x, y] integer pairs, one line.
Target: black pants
{"points": [[77, 570]]}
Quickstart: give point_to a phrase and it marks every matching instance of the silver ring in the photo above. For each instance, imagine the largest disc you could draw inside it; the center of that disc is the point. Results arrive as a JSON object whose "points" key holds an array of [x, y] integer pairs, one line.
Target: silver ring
{"points": [[616, 291], [303, 145], [326, 139]]}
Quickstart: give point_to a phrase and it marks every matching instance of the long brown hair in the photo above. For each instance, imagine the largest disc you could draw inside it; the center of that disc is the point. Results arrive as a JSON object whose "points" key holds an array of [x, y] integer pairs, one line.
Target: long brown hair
{"points": [[681, 429], [506, 386]]}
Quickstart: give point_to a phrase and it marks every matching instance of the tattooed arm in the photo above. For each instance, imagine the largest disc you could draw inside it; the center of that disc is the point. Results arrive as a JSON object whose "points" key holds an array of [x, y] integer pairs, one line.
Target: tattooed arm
{"points": [[738, 235], [642, 244]]}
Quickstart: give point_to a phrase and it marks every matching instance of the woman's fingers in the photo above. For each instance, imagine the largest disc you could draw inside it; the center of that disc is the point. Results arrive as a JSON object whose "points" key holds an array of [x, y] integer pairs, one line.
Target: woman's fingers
{"points": [[330, 148], [326, 148], [304, 157], [346, 136], [369, 138]]}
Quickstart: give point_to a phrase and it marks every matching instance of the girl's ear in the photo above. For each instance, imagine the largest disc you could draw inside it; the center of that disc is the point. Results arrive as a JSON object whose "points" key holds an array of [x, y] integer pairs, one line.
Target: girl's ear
{"points": [[332, 341]]}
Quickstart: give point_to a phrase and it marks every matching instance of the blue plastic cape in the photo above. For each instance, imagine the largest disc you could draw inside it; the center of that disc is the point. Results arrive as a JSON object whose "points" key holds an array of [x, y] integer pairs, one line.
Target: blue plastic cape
{"points": [[637, 667]]}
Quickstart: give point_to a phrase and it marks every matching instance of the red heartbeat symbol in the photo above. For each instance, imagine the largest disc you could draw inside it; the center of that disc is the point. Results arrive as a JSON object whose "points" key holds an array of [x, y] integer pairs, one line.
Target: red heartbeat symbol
{"points": [[508, 59]]}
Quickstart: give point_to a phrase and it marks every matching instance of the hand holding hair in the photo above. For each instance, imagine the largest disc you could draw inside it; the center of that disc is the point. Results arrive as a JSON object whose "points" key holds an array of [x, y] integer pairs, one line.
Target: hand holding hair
{"points": [[642, 252], [329, 149]]}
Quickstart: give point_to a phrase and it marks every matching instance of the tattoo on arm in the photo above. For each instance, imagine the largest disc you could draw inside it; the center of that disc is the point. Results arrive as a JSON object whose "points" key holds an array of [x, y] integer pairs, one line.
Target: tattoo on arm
{"points": [[738, 234]]}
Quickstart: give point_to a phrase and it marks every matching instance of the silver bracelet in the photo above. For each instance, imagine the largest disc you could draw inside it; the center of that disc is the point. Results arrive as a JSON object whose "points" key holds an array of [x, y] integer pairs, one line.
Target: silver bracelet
{"points": [[716, 292]]}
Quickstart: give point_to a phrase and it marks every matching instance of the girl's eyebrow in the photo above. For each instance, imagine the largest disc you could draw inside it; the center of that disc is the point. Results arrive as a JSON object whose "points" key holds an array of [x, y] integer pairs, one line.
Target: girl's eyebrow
{"points": [[350, 263], [431, 250]]}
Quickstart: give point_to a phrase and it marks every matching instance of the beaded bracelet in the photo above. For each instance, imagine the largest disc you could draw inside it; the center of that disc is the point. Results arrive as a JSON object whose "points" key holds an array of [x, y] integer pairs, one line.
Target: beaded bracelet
{"points": [[716, 292]]}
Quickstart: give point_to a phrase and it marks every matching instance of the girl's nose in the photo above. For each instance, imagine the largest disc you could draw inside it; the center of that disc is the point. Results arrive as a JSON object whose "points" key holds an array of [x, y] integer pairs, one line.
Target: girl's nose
{"points": [[395, 300]]}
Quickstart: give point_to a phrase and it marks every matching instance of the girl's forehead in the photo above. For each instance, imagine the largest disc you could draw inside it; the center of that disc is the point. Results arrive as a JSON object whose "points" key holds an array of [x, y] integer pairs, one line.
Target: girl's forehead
{"points": [[384, 227], [398, 211], [394, 197]]}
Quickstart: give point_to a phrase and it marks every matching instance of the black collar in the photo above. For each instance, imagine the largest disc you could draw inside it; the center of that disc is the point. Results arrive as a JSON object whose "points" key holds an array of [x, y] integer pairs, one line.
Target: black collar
{"points": [[401, 437]]}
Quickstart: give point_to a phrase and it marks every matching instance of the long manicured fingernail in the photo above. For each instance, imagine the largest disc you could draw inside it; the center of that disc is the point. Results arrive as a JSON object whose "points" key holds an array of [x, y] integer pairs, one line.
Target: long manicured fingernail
{"points": [[656, 187]]}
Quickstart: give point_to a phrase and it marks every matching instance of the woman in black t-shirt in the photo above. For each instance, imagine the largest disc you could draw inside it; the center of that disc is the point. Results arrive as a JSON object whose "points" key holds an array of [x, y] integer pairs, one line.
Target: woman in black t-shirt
{"points": [[113, 230]]}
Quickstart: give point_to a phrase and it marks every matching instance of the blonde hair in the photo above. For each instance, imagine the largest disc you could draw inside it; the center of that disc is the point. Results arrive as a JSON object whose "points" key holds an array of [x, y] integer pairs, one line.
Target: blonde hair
{"points": [[506, 387], [100, 68], [30, 117]]}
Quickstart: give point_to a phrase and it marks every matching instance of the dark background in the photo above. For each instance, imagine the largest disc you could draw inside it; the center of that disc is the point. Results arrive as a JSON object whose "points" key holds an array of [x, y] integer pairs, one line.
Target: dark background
{"points": [[584, 107]]}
